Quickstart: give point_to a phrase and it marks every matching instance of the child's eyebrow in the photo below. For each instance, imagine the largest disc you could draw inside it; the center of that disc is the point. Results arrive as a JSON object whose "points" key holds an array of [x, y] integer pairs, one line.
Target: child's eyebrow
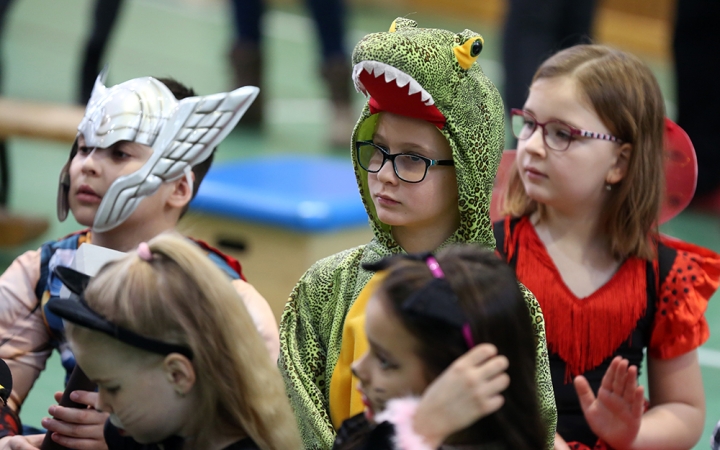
{"points": [[377, 348], [413, 145], [101, 380], [565, 121], [129, 147], [121, 145]]}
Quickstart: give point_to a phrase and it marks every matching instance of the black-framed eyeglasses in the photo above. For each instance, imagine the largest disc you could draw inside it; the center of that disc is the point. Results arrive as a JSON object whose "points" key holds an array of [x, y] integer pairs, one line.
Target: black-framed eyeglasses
{"points": [[409, 167], [557, 135]]}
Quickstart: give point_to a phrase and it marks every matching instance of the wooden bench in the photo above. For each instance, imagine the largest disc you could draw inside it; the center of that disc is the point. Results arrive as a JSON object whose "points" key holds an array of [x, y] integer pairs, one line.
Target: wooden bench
{"points": [[39, 120], [35, 120]]}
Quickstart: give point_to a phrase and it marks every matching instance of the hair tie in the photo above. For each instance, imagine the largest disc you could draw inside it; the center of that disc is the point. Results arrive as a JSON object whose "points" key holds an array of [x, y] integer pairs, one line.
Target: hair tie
{"points": [[144, 252]]}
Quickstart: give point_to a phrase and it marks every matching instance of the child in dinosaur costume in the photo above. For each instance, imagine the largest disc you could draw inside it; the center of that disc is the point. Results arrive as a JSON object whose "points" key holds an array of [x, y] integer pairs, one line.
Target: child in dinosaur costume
{"points": [[419, 81]]}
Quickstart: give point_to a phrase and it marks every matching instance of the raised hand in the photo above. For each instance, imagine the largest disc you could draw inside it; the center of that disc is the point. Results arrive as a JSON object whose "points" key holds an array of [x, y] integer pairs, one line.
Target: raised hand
{"points": [[616, 413], [80, 429]]}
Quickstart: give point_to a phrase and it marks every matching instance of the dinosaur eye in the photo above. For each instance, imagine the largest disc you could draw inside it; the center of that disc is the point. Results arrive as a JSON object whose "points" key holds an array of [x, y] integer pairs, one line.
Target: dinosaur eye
{"points": [[467, 53], [476, 47]]}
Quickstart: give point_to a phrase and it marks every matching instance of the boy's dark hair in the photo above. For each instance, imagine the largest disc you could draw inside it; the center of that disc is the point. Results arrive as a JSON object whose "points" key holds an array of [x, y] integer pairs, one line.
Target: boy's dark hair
{"points": [[488, 293], [180, 91]]}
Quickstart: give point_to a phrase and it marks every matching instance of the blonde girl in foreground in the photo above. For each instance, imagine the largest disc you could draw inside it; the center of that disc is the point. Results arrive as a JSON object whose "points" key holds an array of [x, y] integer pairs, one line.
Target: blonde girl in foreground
{"points": [[175, 355]]}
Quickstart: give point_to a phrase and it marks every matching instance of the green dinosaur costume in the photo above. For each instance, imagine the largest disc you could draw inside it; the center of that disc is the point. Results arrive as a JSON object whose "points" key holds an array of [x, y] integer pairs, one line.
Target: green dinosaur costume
{"points": [[429, 74]]}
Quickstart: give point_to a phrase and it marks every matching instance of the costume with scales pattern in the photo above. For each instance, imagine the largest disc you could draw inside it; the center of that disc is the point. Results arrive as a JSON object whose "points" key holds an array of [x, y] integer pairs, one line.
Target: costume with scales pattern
{"points": [[430, 74]]}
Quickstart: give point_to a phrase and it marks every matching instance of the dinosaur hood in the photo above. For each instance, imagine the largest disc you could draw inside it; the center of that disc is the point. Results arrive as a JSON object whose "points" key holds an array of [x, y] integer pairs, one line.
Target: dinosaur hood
{"points": [[432, 74]]}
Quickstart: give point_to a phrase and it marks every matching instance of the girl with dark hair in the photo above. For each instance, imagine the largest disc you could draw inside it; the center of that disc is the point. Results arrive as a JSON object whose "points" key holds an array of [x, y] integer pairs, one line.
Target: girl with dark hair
{"points": [[425, 314]]}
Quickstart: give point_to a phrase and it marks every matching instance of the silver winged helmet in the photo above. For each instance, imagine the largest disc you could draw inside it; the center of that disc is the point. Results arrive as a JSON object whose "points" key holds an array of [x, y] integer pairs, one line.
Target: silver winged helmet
{"points": [[181, 134]]}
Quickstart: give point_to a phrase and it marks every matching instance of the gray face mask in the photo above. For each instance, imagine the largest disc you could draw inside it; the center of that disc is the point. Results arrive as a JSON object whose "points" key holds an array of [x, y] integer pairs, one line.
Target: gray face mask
{"points": [[181, 134]]}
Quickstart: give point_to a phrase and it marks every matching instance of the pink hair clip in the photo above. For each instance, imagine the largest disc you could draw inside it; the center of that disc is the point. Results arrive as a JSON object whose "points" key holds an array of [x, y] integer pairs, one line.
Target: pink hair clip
{"points": [[437, 272], [434, 267], [144, 252]]}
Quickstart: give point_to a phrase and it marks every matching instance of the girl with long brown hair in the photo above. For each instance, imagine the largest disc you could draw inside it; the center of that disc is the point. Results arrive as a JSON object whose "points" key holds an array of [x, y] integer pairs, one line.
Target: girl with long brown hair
{"points": [[581, 232]]}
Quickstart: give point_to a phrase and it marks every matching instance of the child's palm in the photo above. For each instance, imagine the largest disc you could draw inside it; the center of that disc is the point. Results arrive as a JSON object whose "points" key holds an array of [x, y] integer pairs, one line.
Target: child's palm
{"points": [[616, 413]]}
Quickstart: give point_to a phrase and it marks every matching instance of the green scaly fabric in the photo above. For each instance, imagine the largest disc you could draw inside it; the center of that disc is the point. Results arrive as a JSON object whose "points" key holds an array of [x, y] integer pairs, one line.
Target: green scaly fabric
{"points": [[312, 322]]}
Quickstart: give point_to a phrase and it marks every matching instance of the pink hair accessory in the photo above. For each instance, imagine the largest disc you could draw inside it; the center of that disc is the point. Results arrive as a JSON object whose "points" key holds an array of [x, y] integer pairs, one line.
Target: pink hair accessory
{"points": [[437, 272], [434, 267], [400, 412], [467, 335], [144, 252]]}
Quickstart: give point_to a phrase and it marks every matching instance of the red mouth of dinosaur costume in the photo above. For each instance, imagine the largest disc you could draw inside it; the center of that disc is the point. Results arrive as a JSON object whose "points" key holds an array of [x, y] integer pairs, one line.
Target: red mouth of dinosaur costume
{"points": [[394, 91]]}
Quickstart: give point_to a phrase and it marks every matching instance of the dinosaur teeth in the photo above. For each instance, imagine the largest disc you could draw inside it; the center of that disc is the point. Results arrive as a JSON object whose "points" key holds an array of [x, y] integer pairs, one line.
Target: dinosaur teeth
{"points": [[357, 70], [360, 88], [379, 70], [414, 88], [402, 79]]}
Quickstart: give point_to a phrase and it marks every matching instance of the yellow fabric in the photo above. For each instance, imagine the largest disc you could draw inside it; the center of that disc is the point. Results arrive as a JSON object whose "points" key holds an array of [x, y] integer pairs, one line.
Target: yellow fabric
{"points": [[345, 400]]}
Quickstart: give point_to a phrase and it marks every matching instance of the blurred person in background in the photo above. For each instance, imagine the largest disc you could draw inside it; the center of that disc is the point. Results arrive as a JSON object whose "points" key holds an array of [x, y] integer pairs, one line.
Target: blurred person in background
{"points": [[18, 229], [532, 34], [104, 20], [696, 44], [247, 60]]}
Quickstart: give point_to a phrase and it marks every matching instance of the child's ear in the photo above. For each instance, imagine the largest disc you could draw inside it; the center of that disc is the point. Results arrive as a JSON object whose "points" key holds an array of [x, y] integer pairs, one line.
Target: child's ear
{"points": [[619, 168], [182, 192], [180, 373]]}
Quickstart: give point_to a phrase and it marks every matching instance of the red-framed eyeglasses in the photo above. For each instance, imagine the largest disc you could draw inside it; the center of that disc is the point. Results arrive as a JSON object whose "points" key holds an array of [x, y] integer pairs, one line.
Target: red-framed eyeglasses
{"points": [[557, 135]]}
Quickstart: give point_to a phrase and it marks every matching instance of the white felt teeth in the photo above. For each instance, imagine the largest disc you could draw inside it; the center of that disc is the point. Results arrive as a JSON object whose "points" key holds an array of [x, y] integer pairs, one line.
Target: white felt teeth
{"points": [[401, 79], [356, 79]]}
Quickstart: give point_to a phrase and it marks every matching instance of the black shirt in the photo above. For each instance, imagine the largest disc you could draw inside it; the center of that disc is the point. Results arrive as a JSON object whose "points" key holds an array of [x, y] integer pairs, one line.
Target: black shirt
{"points": [[115, 441]]}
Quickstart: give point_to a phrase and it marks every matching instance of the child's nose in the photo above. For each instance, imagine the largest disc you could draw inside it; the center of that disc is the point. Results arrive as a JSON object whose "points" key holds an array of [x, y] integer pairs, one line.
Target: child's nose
{"points": [[387, 174], [358, 368], [102, 405], [535, 143], [90, 163]]}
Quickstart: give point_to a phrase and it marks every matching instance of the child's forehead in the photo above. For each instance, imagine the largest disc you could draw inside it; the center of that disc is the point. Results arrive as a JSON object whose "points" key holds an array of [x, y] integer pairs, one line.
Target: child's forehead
{"points": [[406, 128], [87, 338], [412, 132], [384, 330], [122, 145], [106, 351]]}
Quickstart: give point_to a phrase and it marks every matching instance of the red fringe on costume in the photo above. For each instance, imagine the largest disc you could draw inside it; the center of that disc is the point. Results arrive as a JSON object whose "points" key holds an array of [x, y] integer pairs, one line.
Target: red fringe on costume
{"points": [[582, 331]]}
